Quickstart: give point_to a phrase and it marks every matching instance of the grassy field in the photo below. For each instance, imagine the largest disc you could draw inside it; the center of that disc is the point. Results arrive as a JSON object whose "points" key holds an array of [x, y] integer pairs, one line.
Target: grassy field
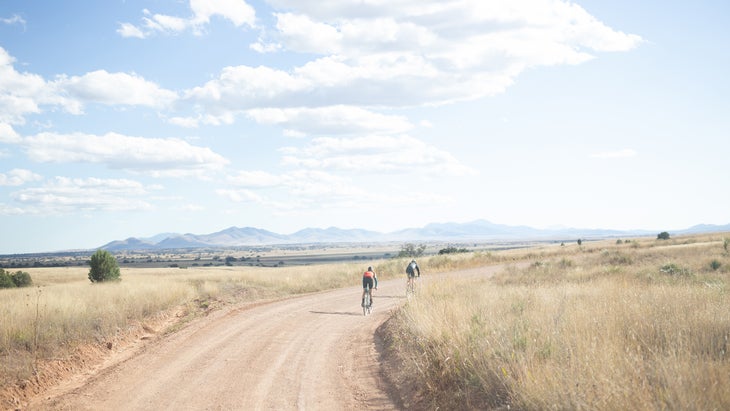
{"points": [[640, 324], [64, 310], [613, 325]]}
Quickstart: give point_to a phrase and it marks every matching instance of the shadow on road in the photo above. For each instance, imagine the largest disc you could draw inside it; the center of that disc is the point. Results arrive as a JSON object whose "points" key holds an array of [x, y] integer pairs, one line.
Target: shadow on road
{"points": [[336, 313]]}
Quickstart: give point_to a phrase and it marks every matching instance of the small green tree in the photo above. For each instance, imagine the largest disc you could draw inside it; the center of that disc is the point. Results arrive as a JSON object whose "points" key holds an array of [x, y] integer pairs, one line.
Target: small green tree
{"points": [[6, 281], [411, 250], [104, 267], [663, 236], [21, 279], [580, 242]]}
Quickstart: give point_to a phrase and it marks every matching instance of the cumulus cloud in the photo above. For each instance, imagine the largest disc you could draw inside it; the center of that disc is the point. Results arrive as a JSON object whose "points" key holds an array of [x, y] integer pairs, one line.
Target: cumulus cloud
{"points": [[116, 89], [158, 157], [24, 93], [409, 53], [62, 195], [237, 12]]}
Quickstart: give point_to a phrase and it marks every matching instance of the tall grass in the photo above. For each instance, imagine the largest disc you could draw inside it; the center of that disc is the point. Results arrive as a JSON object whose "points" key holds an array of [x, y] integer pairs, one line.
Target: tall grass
{"points": [[65, 310], [602, 327]]}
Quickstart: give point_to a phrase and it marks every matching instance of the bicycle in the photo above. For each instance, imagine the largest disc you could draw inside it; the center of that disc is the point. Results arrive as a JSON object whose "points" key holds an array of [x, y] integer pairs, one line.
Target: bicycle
{"points": [[367, 304], [411, 286]]}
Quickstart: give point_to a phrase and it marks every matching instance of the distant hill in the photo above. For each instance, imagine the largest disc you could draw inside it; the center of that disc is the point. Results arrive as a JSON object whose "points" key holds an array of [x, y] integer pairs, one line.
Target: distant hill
{"points": [[479, 230]]}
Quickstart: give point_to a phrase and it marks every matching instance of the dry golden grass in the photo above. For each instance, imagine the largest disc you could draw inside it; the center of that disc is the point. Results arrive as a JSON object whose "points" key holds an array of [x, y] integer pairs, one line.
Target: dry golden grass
{"points": [[64, 309], [606, 326]]}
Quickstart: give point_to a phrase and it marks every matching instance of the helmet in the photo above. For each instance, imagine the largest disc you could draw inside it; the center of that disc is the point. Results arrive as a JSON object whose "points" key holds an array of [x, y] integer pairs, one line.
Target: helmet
{"points": [[370, 268]]}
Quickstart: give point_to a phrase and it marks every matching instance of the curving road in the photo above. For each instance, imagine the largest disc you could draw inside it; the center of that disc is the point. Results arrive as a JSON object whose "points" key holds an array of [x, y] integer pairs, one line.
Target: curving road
{"points": [[314, 352]]}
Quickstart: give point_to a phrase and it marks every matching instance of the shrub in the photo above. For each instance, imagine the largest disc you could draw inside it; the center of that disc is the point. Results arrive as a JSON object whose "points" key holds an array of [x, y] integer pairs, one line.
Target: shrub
{"points": [[674, 269], [104, 267], [411, 250], [663, 236], [6, 281], [714, 264], [22, 279], [451, 250]]}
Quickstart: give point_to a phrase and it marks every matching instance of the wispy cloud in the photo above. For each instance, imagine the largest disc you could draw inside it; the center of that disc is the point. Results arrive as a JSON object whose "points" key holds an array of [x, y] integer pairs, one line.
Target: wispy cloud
{"points": [[330, 120], [14, 19], [381, 154], [64, 195], [18, 177], [154, 156]]}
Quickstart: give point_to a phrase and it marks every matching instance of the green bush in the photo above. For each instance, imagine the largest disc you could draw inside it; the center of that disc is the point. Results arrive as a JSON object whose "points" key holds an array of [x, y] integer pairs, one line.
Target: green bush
{"points": [[104, 267], [6, 281], [451, 250], [714, 264], [411, 250], [663, 236], [21, 279]]}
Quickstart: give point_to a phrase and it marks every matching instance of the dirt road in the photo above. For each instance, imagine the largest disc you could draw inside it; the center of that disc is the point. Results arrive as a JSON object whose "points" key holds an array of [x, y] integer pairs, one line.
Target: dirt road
{"points": [[312, 352]]}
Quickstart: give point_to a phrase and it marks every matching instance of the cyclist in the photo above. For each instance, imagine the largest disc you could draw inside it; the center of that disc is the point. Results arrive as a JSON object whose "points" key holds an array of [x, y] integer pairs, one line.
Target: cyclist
{"points": [[411, 270], [369, 281]]}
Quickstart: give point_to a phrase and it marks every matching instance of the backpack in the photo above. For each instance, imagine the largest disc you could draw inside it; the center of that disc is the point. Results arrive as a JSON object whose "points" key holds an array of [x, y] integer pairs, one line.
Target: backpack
{"points": [[409, 269]]}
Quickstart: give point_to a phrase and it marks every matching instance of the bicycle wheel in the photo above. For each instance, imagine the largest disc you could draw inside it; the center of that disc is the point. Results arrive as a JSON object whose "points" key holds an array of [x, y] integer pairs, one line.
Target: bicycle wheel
{"points": [[366, 303]]}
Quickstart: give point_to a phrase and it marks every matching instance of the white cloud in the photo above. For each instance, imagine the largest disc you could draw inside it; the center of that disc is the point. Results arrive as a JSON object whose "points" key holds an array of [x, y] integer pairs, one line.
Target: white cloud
{"points": [[8, 134], [63, 195], [23, 93], [130, 30], [255, 179], [158, 157], [237, 12], [330, 120], [380, 153], [302, 34], [18, 177], [410, 53], [304, 189], [14, 19], [625, 153], [115, 89]]}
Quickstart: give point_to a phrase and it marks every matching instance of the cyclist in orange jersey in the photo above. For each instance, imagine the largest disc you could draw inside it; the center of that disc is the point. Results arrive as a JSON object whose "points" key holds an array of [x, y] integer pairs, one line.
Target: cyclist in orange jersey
{"points": [[369, 281]]}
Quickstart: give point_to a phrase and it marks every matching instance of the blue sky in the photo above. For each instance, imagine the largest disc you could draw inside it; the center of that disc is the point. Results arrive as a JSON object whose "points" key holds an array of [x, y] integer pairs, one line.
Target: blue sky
{"points": [[133, 118]]}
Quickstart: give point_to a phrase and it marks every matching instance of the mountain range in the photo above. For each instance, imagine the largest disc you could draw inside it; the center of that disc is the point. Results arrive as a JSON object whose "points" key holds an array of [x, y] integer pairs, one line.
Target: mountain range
{"points": [[479, 230]]}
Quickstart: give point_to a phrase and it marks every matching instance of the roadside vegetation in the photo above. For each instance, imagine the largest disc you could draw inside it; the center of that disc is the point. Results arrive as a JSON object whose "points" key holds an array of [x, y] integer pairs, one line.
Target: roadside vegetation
{"points": [[64, 310], [638, 323], [634, 324]]}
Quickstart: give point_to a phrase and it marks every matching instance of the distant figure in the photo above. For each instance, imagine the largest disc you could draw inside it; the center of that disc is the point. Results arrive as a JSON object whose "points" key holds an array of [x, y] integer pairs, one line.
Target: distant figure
{"points": [[412, 270], [369, 281]]}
